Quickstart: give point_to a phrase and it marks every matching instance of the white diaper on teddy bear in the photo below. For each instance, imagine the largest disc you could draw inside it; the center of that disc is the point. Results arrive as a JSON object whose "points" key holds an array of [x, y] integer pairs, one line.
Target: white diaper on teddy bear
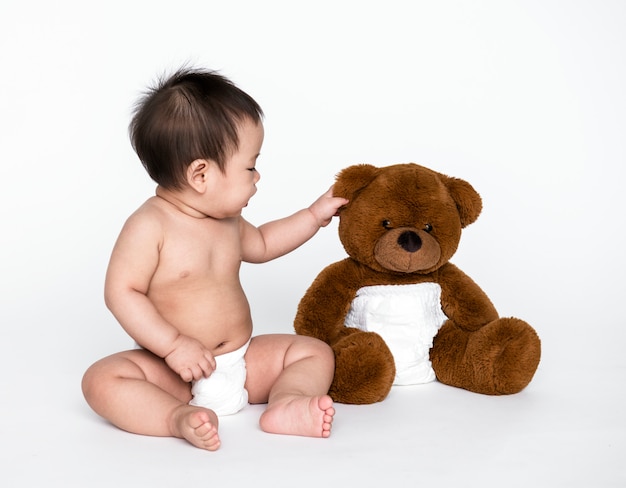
{"points": [[407, 317]]}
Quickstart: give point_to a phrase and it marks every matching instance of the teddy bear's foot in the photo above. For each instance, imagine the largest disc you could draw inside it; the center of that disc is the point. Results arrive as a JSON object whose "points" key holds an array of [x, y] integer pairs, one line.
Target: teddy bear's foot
{"points": [[518, 360], [499, 359], [364, 369]]}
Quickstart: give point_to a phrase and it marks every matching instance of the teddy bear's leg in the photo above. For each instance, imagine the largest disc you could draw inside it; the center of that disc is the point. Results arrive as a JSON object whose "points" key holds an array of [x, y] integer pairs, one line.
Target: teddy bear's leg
{"points": [[364, 369], [499, 359]]}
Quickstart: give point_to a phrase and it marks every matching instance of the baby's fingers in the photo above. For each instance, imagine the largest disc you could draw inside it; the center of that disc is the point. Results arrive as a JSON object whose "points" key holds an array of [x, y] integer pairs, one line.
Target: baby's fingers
{"points": [[208, 366], [186, 375], [197, 372]]}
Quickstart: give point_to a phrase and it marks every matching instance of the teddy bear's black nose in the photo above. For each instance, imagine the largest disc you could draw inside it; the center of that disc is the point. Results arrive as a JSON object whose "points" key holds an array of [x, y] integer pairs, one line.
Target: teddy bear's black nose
{"points": [[410, 241]]}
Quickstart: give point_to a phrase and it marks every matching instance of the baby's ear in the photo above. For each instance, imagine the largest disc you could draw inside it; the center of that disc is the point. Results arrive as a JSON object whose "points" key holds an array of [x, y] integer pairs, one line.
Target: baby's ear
{"points": [[197, 174], [352, 179]]}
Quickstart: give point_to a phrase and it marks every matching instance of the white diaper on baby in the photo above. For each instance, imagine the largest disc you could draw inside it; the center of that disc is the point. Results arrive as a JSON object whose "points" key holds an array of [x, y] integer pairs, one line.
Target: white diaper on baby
{"points": [[223, 391], [407, 317]]}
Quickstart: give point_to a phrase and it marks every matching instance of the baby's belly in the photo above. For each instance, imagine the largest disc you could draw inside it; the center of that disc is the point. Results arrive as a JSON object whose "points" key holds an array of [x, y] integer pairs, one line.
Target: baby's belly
{"points": [[407, 317], [219, 318]]}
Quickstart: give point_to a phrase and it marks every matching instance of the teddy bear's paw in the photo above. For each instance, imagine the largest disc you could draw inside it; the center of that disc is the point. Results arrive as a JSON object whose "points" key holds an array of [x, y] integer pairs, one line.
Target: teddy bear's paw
{"points": [[518, 358], [502, 357], [498, 359], [364, 369]]}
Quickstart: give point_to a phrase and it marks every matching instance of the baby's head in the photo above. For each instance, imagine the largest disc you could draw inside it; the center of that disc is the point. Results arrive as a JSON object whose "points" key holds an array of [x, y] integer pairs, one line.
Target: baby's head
{"points": [[193, 114]]}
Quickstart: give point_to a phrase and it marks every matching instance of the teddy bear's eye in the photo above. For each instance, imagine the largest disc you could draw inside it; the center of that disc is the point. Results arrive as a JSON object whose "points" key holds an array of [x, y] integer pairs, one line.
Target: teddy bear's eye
{"points": [[428, 227], [386, 224]]}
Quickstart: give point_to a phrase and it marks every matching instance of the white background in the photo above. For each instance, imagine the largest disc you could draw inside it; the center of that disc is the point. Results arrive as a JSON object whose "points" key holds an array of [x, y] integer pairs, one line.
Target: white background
{"points": [[523, 99]]}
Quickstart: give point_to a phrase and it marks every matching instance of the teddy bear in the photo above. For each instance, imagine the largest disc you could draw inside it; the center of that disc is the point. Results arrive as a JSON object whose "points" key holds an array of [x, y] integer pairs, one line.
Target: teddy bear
{"points": [[396, 311]]}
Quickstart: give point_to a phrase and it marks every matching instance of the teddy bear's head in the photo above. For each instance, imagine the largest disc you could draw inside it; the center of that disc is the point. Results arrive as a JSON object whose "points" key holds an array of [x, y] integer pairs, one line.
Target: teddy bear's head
{"points": [[403, 218]]}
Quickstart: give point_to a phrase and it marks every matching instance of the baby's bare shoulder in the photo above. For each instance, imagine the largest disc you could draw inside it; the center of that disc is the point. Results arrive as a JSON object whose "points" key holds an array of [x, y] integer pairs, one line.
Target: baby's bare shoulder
{"points": [[153, 207], [148, 218]]}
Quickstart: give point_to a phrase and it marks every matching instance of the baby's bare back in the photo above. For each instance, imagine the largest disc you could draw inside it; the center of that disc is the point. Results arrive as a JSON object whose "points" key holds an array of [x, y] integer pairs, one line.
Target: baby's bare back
{"points": [[196, 285]]}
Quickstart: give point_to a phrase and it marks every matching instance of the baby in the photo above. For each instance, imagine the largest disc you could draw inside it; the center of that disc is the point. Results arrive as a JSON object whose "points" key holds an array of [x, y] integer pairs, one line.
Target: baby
{"points": [[173, 279]]}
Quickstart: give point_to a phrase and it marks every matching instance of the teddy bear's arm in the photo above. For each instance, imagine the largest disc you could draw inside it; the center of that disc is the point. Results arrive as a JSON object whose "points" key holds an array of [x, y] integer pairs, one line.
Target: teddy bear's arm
{"points": [[322, 310], [463, 301]]}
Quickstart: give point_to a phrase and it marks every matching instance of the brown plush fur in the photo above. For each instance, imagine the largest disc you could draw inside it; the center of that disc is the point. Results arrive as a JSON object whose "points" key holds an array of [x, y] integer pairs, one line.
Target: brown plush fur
{"points": [[389, 207]]}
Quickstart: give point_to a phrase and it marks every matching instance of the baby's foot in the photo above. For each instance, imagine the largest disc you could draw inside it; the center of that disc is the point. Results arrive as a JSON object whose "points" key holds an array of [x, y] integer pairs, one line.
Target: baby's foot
{"points": [[299, 415], [198, 426]]}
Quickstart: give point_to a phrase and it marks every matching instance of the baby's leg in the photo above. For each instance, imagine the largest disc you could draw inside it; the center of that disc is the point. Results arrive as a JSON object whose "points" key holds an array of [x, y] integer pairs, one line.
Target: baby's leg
{"points": [[136, 391], [197, 425], [298, 414], [292, 374]]}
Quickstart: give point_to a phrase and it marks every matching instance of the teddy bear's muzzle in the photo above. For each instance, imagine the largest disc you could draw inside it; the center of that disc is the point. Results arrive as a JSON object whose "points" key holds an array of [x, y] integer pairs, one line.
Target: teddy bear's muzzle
{"points": [[407, 250], [410, 241]]}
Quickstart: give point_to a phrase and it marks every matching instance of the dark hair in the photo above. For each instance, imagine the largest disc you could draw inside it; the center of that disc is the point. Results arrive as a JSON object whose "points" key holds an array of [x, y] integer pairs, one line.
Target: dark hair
{"points": [[193, 114]]}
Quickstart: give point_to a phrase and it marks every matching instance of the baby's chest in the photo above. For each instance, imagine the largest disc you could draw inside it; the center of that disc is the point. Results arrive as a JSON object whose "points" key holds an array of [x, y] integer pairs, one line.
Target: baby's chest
{"points": [[199, 254]]}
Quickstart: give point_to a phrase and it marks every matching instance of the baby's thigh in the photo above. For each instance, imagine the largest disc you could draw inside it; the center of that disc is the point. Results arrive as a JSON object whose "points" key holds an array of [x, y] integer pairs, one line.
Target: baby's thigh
{"points": [[157, 372], [141, 365], [268, 356], [264, 363]]}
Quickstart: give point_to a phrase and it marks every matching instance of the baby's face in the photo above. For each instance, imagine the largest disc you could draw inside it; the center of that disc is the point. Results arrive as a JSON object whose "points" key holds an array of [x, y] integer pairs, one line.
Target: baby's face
{"points": [[236, 186]]}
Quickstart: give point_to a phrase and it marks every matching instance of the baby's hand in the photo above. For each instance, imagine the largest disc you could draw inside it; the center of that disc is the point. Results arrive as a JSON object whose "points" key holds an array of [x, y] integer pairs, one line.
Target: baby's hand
{"points": [[190, 359], [326, 207]]}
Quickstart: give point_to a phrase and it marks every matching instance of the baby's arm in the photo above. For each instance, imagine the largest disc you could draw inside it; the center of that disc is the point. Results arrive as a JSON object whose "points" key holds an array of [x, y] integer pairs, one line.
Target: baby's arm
{"points": [[279, 237], [133, 263]]}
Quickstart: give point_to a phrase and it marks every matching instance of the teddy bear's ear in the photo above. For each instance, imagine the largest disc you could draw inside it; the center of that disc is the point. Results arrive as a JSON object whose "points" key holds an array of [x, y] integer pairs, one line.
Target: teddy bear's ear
{"points": [[352, 179], [468, 201]]}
